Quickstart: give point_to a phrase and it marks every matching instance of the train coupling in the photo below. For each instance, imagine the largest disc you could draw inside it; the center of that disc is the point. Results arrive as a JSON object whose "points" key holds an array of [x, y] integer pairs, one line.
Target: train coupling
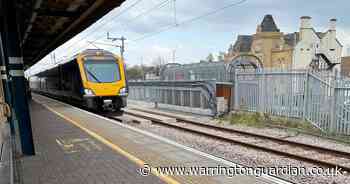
{"points": [[108, 104]]}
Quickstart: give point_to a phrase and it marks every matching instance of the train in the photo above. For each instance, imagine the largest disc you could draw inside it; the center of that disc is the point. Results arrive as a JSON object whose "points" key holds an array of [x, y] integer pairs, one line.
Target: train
{"points": [[94, 79]]}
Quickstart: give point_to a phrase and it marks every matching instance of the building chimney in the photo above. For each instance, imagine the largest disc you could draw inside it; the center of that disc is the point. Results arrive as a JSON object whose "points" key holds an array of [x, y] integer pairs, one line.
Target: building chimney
{"points": [[305, 26], [332, 24], [258, 29], [305, 22]]}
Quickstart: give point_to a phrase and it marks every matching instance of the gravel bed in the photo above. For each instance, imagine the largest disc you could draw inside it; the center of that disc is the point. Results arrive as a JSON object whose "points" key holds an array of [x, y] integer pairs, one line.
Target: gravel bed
{"points": [[321, 142], [264, 142], [261, 130], [276, 132], [241, 155], [294, 136]]}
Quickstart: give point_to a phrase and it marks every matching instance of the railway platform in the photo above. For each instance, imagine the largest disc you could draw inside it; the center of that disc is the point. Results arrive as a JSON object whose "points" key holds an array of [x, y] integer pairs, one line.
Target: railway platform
{"points": [[75, 146]]}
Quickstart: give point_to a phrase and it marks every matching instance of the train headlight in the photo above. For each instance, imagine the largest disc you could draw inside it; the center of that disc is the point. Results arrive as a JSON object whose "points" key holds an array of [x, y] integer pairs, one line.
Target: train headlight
{"points": [[123, 92], [89, 92]]}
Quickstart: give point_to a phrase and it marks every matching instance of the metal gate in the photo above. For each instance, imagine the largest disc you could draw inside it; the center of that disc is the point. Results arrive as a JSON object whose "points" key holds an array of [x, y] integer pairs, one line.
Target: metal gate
{"points": [[318, 97]]}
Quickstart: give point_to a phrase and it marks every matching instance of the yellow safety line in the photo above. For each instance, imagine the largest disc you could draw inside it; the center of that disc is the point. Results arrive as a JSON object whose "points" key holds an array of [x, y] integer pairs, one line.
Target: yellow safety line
{"points": [[131, 157]]}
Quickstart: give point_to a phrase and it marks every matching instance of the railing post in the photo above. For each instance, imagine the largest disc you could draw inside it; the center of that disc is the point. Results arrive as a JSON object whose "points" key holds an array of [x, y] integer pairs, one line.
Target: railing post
{"points": [[173, 96], [306, 95], [201, 104], [261, 98], [138, 92], [191, 100], [156, 96], [333, 123], [182, 96], [235, 89]]}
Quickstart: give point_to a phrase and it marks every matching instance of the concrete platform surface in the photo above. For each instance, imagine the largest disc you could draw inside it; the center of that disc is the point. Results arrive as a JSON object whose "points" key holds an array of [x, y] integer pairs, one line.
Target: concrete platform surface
{"points": [[66, 154], [75, 146]]}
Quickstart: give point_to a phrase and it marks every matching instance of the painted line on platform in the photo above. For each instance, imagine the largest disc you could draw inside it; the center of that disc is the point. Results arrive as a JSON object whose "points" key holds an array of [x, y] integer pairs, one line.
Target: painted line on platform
{"points": [[273, 179], [116, 148]]}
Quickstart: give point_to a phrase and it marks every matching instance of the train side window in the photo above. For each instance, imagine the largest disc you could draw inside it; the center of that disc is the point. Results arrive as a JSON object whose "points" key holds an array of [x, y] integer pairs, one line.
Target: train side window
{"points": [[77, 83], [66, 77]]}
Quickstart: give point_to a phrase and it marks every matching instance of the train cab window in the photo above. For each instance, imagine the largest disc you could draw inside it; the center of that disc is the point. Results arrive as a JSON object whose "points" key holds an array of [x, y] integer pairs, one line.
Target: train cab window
{"points": [[102, 71]]}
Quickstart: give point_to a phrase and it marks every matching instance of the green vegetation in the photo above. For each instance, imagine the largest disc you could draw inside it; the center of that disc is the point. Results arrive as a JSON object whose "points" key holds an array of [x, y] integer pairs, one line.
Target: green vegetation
{"points": [[264, 120], [260, 120], [138, 72], [134, 73]]}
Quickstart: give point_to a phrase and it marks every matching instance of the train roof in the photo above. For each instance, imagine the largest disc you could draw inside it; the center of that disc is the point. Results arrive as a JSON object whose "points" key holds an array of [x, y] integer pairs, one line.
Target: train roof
{"points": [[94, 52], [87, 52]]}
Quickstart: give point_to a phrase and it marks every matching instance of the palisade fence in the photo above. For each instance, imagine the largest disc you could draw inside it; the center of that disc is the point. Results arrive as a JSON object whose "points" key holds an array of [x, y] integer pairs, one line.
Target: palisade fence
{"points": [[197, 97], [318, 97]]}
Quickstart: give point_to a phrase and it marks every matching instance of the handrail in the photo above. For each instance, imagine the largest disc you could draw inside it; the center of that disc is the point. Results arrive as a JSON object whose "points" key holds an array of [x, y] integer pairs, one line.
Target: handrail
{"points": [[206, 88]]}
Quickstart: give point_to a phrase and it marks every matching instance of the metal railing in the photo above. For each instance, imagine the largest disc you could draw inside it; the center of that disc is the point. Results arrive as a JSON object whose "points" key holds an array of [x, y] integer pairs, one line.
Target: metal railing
{"points": [[317, 97], [197, 97], [197, 71]]}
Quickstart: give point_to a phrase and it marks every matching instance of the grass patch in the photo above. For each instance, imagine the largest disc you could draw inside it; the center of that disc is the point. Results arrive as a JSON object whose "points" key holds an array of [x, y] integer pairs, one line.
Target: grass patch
{"points": [[254, 119], [262, 120]]}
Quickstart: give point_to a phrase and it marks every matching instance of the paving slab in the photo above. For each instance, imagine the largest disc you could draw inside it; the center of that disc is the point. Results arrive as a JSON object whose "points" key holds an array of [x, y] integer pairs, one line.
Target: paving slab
{"points": [[67, 155], [132, 143]]}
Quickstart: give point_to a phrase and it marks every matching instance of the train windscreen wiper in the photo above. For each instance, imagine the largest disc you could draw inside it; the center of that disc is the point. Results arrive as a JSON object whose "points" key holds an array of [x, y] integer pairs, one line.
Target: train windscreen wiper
{"points": [[92, 75]]}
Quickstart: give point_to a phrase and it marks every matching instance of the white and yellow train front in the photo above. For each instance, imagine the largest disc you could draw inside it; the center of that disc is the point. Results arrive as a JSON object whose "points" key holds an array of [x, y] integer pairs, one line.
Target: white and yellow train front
{"points": [[103, 79], [93, 78]]}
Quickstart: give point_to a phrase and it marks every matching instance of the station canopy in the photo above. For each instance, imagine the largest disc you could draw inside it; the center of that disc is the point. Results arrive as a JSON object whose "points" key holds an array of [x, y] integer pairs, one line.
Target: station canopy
{"points": [[46, 24]]}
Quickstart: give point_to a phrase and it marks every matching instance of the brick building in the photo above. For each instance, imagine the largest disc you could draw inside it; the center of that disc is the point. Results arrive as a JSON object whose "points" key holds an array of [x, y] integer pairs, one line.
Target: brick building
{"points": [[275, 49], [345, 66]]}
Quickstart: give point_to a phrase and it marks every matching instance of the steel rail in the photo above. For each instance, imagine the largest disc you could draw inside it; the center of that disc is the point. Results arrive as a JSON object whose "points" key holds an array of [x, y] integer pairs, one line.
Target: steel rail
{"points": [[230, 140], [275, 179], [300, 157], [231, 130]]}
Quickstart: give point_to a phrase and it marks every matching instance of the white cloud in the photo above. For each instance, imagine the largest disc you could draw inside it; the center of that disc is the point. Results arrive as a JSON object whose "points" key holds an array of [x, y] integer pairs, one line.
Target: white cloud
{"points": [[160, 50], [214, 33]]}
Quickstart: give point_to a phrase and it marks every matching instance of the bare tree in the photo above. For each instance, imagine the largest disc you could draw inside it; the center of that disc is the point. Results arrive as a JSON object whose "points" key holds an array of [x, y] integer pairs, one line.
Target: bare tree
{"points": [[158, 63], [210, 58], [221, 56]]}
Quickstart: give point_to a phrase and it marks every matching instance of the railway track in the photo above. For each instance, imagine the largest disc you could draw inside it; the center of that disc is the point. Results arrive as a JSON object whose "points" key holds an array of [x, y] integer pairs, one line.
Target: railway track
{"points": [[118, 116], [321, 156]]}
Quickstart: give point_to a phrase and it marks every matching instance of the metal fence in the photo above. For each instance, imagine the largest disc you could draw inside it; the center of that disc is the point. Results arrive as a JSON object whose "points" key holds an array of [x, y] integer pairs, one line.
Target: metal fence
{"points": [[197, 71], [190, 96], [317, 97]]}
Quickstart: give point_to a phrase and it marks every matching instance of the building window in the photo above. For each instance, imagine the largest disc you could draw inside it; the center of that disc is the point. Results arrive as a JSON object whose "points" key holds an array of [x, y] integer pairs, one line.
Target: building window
{"points": [[332, 49], [308, 49], [301, 49]]}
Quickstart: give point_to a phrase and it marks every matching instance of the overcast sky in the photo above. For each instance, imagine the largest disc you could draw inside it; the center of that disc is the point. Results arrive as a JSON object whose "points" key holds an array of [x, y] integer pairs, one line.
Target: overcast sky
{"points": [[141, 21]]}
